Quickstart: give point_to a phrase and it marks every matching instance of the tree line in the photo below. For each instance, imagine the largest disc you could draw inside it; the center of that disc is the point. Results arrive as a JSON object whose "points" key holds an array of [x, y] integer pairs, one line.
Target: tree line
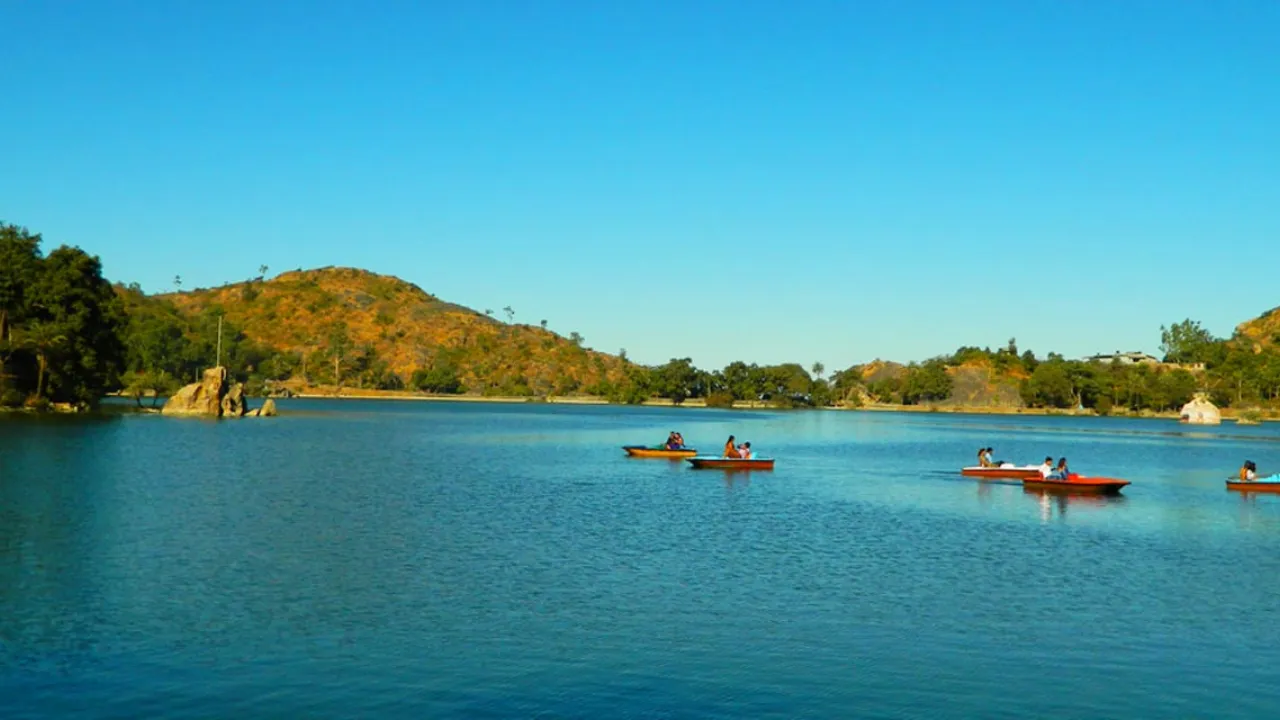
{"points": [[69, 335]]}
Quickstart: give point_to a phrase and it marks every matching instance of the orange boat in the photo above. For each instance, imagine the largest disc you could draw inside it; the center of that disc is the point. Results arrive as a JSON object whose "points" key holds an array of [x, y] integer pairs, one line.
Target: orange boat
{"points": [[642, 451], [723, 463], [1011, 472], [1076, 484], [1266, 485]]}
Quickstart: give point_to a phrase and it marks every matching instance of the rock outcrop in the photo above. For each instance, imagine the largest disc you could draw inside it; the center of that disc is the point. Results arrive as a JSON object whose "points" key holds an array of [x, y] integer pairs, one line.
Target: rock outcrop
{"points": [[216, 395], [1201, 412], [203, 398]]}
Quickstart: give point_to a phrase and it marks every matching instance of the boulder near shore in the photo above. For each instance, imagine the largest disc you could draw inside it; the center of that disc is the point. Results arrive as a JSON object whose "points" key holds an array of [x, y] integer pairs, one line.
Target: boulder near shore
{"points": [[214, 396], [1201, 412]]}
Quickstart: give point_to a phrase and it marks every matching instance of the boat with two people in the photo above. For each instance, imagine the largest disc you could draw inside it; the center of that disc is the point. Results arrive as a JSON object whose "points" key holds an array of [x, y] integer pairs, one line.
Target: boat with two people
{"points": [[1247, 480], [735, 457], [988, 469], [673, 449], [1060, 479]]}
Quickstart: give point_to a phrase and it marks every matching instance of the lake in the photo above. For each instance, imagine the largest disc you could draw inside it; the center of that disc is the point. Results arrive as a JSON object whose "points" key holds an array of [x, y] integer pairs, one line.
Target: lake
{"points": [[449, 560]]}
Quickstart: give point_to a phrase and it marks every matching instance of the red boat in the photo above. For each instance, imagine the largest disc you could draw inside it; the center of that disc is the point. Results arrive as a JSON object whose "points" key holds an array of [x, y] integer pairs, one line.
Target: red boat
{"points": [[1010, 472], [1076, 484], [1264, 486], [721, 463]]}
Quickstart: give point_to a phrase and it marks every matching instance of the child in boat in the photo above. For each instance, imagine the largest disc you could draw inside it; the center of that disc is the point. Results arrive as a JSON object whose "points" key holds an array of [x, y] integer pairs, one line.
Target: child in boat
{"points": [[731, 450], [1061, 473], [1046, 468], [744, 451], [1249, 471]]}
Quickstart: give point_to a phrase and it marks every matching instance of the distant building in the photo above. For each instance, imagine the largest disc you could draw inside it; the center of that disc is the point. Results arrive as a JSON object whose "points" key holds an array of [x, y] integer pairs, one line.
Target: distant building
{"points": [[1125, 358]]}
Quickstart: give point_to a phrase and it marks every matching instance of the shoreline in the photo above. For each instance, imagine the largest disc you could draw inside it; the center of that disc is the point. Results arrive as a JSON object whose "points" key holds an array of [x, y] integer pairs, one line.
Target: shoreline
{"points": [[1228, 415]]}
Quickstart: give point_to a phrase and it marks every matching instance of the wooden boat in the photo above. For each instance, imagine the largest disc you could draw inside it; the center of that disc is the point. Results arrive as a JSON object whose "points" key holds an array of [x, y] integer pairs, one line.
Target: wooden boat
{"points": [[643, 451], [723, 463], [1076, 484], [1010, 472], [1266, 484]]}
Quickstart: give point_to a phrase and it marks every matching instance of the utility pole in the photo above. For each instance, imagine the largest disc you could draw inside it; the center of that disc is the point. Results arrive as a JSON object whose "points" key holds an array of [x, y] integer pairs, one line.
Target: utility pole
{"points": [[219, 342]]}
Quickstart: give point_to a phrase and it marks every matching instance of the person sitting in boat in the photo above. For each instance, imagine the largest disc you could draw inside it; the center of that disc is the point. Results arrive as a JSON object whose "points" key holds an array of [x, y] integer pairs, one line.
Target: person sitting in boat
{"points": [[1046, 468], [674, 441], [1061, 472], [731, 450], [680, 440], [1249, 471], [984, 457], [744, 451]]}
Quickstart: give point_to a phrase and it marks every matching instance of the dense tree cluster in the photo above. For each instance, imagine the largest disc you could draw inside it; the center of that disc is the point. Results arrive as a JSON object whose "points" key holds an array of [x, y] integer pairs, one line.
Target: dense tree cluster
{"points": [[60, 324]]}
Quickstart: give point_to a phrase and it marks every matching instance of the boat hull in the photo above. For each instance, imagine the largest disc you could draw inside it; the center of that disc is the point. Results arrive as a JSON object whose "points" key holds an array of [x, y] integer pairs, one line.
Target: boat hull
{"points": [[1259, 486], [731, 463], [1001, 473], [639, 451], [1077, 485]]}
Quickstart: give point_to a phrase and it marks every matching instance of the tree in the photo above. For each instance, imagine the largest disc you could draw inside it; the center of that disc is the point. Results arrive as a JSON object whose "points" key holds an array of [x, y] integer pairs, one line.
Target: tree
{"points": [[510, 313], [262, 272], [177, 282], [71, 296], [1186, 342], [575, 338], [338, 345], [488, 313], [543, 323], [926, 383], [19, 264], [42, 338], [818, 370], [677, 379]]}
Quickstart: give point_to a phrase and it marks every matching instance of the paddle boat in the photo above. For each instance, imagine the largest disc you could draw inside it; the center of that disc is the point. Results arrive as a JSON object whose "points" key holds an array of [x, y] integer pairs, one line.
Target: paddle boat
{"points": [[1266, 484], [1002, 472], [645, 451], [1076, 484], [724, 463]]}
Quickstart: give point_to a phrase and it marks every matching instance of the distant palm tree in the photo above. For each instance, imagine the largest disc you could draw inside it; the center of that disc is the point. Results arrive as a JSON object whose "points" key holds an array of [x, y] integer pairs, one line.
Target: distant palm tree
{"points": [[818, 369], [262, 271], [177, 282], [543, 324], [511, 314], [42, 338]]}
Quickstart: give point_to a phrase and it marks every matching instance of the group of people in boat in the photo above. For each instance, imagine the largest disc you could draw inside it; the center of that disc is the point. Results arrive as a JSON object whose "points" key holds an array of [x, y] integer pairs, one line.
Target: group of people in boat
{"points": [[1049, 472], [1248, 471], [741, 452], [675, 441], [1047, 469]]}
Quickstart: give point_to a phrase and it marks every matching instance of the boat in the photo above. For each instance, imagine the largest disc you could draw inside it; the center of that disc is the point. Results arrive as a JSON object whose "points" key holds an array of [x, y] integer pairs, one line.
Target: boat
{"points": [[1266, 484], [1005, 472], [724, 463], [644, 451], [1076, 484]]}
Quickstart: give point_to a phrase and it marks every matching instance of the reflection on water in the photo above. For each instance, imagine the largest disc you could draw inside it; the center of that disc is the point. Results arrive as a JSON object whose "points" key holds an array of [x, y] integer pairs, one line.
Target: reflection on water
{"points": [[405, 560]]}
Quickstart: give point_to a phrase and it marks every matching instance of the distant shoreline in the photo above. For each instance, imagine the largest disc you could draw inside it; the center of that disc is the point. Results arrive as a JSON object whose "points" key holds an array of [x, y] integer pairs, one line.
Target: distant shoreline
{"points": [[356, 394]]}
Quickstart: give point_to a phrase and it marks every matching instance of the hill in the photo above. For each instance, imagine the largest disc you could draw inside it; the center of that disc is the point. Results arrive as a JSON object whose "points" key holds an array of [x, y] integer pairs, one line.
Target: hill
{"points": [[1263, 330], [376, 330]]}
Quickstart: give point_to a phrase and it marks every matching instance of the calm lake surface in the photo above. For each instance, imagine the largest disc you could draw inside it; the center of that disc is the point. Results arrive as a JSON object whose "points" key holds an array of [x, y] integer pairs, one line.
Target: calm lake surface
{"points": [[438, 560]]}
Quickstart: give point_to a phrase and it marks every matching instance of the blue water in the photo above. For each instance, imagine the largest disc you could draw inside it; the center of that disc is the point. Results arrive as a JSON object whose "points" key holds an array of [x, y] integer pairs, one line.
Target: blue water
{"points": [[412, 560]]}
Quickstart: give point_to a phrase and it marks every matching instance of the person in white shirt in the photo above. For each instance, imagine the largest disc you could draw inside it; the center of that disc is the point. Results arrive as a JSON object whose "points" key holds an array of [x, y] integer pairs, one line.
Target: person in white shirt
{"points": [[1047, 468], [744, 451], [1249, 472]]}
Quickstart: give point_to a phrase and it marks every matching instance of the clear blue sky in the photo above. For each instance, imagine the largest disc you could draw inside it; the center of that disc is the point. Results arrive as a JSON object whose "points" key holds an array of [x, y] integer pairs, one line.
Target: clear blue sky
{"points": [[766, 181]]}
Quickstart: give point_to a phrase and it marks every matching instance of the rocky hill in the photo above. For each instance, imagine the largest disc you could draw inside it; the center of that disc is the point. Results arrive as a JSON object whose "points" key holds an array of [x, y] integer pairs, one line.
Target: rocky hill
{"points": [[315, 314], [1263, 330]]}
